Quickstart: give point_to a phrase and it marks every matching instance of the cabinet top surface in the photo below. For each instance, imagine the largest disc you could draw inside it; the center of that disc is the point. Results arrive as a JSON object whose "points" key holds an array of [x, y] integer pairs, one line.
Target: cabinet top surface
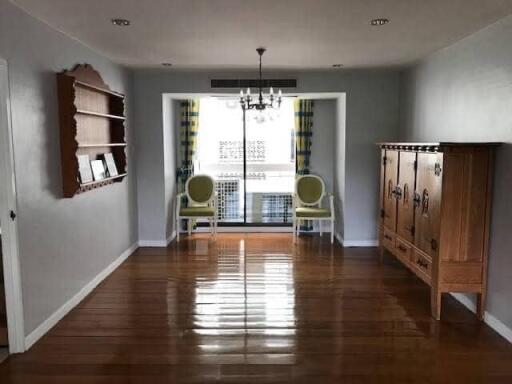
{"points": [[438, 147]]}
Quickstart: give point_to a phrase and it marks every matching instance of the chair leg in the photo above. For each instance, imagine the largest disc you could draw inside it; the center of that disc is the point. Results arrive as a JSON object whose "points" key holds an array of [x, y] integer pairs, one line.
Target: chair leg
{"points": [[189, 226], [332, 231], [177, 229], [320, 226]]}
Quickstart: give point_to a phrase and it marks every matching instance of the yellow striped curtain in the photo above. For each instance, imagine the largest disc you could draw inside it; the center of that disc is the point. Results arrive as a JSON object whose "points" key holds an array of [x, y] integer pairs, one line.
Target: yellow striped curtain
{"points": [[188, 140], [303, 140], [303, 134]]}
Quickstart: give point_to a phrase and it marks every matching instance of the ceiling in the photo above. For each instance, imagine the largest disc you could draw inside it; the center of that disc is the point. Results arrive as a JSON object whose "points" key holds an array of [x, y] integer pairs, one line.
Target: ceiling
{"points": [[299, 34]]}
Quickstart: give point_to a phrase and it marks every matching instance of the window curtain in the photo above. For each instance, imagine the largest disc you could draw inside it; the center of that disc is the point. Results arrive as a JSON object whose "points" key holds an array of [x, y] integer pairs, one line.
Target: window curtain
{"points": [[188, 140], [189, 125], [303, 135], [303, 140]]}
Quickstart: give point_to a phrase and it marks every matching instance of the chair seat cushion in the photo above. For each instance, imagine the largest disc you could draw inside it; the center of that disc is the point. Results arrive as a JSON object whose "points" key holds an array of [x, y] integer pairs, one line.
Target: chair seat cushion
{"points": [[198, 211], [312, 212]]}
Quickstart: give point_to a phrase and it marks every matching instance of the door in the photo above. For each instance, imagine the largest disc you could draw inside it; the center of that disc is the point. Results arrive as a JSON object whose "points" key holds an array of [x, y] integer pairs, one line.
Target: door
{"points": [[428, 207], [405, 195], [390, 183], [382, 178], [251, 156], [270, 164], [8, 227]]}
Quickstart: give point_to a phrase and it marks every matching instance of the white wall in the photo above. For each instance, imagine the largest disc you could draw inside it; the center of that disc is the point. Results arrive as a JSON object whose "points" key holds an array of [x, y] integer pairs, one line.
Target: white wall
{"points": [[464, 93], [372, 114], [64, 243]]}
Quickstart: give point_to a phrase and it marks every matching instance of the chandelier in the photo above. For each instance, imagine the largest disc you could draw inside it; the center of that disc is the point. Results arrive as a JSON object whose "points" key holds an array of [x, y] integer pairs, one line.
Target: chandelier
{"points": [[263, 102]]}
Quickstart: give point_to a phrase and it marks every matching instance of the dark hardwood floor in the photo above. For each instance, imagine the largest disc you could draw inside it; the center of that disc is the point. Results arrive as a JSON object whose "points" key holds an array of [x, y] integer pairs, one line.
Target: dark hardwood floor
{"points": [[257, 309]]}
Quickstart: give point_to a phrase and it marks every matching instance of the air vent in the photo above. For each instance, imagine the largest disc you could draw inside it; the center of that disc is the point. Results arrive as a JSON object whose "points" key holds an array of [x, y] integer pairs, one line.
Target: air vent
{"points": [[253, 83]]}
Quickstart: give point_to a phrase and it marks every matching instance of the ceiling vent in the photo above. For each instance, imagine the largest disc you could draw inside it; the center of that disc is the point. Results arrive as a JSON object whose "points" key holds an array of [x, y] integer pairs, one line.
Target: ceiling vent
{"points": [[253, 83]]}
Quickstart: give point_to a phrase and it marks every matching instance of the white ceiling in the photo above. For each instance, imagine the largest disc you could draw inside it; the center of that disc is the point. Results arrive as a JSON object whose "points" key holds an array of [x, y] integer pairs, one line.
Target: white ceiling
{"points": [[299, 34]]}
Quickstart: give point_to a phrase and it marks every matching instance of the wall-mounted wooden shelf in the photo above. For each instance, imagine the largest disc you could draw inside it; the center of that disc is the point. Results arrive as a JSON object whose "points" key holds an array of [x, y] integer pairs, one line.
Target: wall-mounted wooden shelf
{"points": [[91, 113], [91, 123], [102, 145]]}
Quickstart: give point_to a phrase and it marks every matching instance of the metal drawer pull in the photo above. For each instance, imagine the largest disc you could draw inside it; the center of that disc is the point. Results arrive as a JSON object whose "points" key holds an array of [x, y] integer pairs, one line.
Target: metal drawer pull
{"points": [[433, 244], [402, 248], [422, 264]]}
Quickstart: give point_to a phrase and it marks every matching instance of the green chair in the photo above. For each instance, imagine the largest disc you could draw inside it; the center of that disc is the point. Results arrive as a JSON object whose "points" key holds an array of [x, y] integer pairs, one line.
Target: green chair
{"points": [[307, 203], [200, 193]]}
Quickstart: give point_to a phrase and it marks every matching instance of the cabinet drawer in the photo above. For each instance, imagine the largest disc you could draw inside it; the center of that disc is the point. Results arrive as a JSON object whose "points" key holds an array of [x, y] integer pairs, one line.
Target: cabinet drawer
{"points": [[422, 263], [403, 251], [388, 239]]}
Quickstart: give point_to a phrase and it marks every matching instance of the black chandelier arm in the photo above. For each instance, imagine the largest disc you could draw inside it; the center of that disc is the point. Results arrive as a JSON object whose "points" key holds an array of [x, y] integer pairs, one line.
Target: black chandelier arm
{"points": [[261, 105]]}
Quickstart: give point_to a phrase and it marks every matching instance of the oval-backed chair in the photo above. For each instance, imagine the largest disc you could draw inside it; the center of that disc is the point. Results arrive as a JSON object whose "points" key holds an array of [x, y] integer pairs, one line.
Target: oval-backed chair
{"points": [[201, 204], [307, 203]]}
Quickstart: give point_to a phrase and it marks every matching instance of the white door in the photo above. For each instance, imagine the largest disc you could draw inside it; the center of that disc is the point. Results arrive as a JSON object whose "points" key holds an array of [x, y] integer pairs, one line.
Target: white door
{"points": [[8, 222]]}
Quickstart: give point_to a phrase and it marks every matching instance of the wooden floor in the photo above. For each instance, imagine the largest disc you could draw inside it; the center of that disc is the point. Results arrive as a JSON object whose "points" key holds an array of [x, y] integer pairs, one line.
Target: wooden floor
{"points": [[257, 309]]}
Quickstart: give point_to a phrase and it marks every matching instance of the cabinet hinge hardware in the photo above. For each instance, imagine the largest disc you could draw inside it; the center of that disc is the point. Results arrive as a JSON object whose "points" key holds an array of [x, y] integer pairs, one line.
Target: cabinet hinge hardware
{"points": [[437, 169], [12, 215]]}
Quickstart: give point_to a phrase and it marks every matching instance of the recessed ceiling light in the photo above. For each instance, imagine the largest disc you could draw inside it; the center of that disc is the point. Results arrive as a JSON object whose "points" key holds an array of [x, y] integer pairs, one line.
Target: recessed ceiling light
{"points": [[167, 64], [337, 65], [121, 22], [379, 22]]}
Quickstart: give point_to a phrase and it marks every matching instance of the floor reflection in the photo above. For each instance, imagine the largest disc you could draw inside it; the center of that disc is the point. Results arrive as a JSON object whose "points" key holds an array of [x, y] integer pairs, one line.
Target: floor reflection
{"points": [[252, 296]]}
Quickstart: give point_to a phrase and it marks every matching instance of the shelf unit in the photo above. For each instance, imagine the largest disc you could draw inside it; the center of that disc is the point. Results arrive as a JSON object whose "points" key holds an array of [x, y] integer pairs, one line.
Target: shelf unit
{"points": [[91, 123]]}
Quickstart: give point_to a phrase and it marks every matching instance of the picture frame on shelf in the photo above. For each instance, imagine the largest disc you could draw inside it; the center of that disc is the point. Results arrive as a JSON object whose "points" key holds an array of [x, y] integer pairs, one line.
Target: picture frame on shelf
{"points": [[110, 164], [98, 170], [84, 169]]}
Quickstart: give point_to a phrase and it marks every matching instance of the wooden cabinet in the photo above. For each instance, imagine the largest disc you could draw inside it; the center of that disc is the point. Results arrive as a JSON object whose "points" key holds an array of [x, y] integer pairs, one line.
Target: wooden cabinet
{"points": [[435, 209]]}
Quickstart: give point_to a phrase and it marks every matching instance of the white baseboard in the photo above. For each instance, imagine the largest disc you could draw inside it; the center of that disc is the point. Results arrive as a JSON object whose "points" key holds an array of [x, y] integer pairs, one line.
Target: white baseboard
{"points": [[49, 323], [489, 319], [245, 229], [158, 243], [356, 243]]}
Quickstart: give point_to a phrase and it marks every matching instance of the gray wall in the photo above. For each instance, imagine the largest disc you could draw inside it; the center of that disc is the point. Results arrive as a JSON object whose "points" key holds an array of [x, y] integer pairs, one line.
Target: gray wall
{"points": [[64, 243], [464, 93], [372, 114], [171, 110], [339, 164], [323, 146]]}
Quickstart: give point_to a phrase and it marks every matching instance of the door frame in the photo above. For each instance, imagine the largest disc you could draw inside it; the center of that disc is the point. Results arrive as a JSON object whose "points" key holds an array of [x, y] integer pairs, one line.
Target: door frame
{"points": [[10, 249]]}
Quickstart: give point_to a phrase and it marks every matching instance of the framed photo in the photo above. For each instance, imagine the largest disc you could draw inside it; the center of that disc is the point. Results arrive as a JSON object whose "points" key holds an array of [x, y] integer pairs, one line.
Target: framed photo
{"points": [[84, 169], [98, 170], [110, 164]]}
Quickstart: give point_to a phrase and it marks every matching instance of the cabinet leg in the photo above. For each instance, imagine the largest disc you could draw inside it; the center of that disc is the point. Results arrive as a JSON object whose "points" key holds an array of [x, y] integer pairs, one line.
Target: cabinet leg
{"points": [[480, 305], [435, 303]]}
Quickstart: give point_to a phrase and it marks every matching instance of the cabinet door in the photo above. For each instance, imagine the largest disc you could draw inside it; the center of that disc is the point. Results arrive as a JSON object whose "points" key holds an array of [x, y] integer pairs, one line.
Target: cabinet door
{"points": [[390, 183], [405, 195], [428, 209], [382, 178]]}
